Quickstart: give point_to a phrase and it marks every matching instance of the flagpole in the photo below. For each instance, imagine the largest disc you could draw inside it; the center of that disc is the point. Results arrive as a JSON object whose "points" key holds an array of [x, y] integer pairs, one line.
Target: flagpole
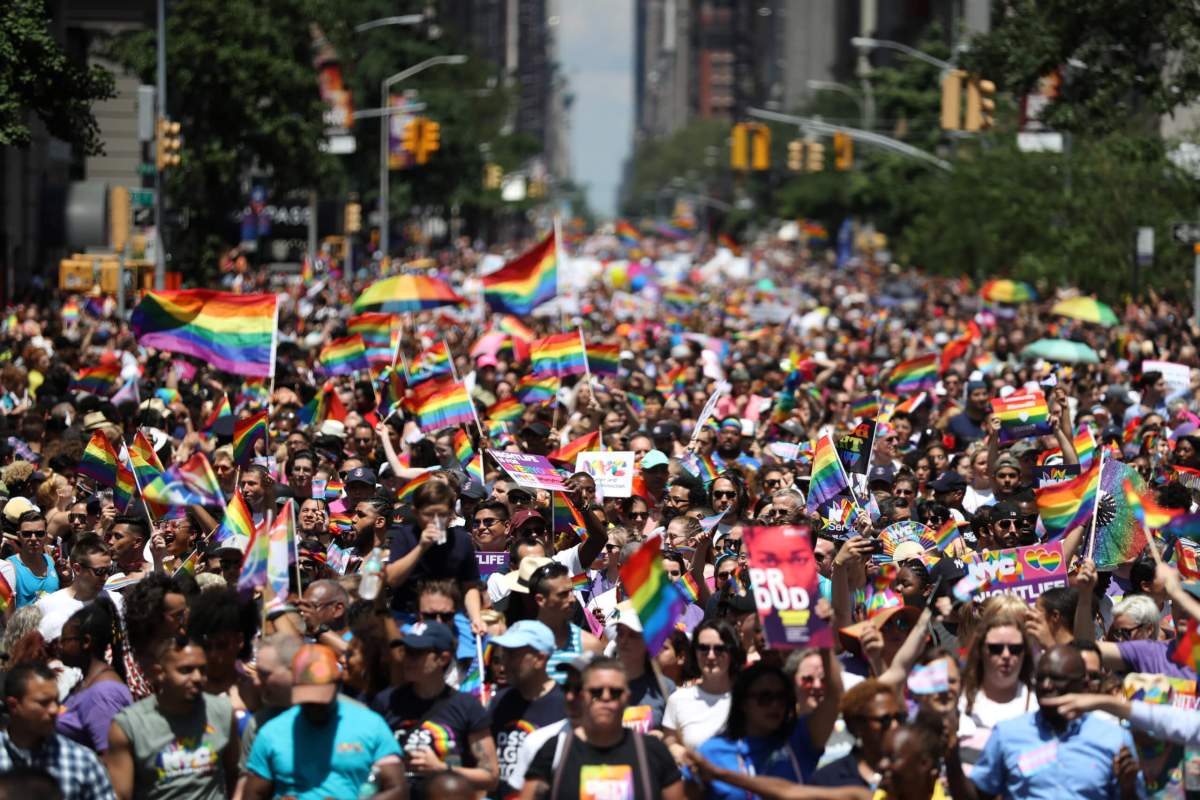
{"points": [[138, 485], [1096, 507], [295, 548], [559, 264]]}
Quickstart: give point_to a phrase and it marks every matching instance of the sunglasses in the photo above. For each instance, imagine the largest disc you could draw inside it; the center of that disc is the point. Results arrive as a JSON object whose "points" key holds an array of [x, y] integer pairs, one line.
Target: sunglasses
{"points": [[773, 482], [30, 534], [725, 495], [99, 572], [999, 649], [486, 522], [605, 693], [715, 649], [1006, 524], [444, 617], [1122, 634]]}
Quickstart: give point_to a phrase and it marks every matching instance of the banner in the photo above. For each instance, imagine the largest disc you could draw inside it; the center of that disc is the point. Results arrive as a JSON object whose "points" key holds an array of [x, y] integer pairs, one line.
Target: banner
{"points": [[612, 471], [784, 575], [1178, 377], [1022, 415], [1059, 473], [854, 450], [1023, 571], [490, 562], [530, 471]]}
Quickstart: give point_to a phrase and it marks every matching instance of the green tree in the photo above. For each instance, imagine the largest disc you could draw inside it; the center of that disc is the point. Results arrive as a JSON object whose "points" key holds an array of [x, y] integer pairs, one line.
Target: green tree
{"points": [[36, 76], [696, 153]]}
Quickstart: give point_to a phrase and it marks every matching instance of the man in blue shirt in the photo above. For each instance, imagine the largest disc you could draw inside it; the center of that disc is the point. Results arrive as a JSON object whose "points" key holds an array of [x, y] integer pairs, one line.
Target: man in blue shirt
{"points": [[1043, 756]]}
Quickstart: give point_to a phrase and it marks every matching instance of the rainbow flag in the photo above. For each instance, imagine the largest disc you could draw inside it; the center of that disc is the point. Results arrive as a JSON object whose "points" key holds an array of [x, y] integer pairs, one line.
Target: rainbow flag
{"points": [[393, 388], [580, 582], [431, 363], [7, 596], [341, 522], [865, 407], [827, 479], [569, 451], [1085, 445], [190, 483], [344, 356], [566, 518], [407, 293], [558, 354], [220, 409], [124, 488], [672, 382], [463, 451], [636, 402], [526, 282], [1022, 414], [404, 495], [237, 527], [914, 375], [99, 460], [246, 432], [70, 312], [1148, 512], [281, 549], [188, 567], [334, 489], [533, 389], [306, 271], [1186, 650], [702, 466], [100, 380], [681, 298], [253, 574], [657, 601], [375, 328], [688, 587], [604, 359], [146, 463], [910, 404], [947, 534], [232, 332], [446, 406], [253, 395], [514, 327], [507, 410], [627, 234], [1065, 505], [475, 468]]}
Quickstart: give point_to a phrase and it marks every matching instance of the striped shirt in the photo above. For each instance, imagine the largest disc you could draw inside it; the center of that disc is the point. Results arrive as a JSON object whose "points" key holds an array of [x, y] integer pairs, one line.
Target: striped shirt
{"points": [[572, 651]]}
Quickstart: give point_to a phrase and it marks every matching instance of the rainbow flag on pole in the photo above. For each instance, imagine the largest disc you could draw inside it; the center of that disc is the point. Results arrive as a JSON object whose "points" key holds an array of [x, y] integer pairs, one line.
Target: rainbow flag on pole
{"points": [[220, 409], [565, 517], [509, 409], [246, 432], [1148, 512], [914, 375], [431, 363], [254, 562], [145, 461], [375, 328], [232, 332], [281, 549], [658, 602], [404, 495], [526, 282], [827, 479], [463, 451], [537, 389], [237, 528], [571, 450], [100, 380], [443, 406], [344, 356], [558, 354], [604, 359], [190, 483], [99, 460], [1065, 505]]}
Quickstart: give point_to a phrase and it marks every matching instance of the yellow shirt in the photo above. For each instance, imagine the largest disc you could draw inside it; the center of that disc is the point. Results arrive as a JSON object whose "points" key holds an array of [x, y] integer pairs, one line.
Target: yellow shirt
{"points": [[939, 793]]}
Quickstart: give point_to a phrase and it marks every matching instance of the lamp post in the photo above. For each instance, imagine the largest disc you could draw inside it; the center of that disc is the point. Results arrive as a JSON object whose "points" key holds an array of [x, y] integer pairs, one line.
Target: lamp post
{"points": [[867, 43], [384, 88], [403, 19], [834, 86]]}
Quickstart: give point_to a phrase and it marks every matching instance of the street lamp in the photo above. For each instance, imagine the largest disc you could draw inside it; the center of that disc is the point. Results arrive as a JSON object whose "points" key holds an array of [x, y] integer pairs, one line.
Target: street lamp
{"points": [[403, 19], [834, 86], [384, 88], [867, 43]]}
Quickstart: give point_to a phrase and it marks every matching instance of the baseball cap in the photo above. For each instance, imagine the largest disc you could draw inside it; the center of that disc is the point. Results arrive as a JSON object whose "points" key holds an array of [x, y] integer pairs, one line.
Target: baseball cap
{"points": [[882, 474], [527, 633], [523, 518], [665, 429], [654, 458], [537, 429], [518, 580], [948, 481], [334, 428], [14, 508], [361, 475], [315, 674], [627, 615], [1007, 460], [429, 636]]}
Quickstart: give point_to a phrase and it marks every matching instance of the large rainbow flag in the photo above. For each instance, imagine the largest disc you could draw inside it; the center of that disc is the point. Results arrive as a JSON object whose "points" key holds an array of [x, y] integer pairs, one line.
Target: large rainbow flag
{"points": [[233, 332], [526, 282], [376, 330]]}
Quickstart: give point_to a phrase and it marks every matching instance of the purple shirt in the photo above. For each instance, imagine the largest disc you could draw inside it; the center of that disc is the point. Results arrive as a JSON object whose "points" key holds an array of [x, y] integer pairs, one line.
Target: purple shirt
{"points": [[1146, 655], [88, 714]]}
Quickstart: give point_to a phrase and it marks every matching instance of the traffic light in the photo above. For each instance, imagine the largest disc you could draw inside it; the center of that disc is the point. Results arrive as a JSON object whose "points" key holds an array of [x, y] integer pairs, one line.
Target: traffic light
{"points": [[737, 151], [353, 218], [120, 214], [493, 174], [843, 152], [816, 157], [167, 144], [795, 160], [952, 99], [411, 137], [760, 146], [432, 137], [981, 105]]}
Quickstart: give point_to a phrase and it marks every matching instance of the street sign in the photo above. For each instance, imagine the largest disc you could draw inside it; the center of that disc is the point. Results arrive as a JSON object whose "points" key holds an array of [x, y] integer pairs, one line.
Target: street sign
{"points": [[1186, 232], [142, 198]]}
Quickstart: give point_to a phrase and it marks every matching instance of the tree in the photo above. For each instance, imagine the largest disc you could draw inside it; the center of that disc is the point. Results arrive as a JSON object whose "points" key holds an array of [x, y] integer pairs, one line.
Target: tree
{"points": [[36, 76], [685, 157]]}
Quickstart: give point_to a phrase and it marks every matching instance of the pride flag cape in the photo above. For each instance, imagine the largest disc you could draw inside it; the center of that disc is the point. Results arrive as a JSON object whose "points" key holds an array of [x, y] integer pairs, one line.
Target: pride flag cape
{"points": [[827, 479], [657, 601], [1065, 505], [526, 282], [914, 375], [232, 332], [559, 354], [345, 356]]}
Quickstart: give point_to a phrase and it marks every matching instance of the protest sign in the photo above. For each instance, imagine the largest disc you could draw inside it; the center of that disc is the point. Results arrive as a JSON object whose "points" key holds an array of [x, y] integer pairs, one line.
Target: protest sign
{"points": [[1045, 476], [612, 471], [1178, 377], [1022, 414], [854, 450], [784, 575], [490, 562], [1023, 571], [530, 471]]}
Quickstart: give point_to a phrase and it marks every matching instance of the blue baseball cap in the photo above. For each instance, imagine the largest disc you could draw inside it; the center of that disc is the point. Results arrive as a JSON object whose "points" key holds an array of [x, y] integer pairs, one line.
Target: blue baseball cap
{"points": [[527, 633], [430, 636]]}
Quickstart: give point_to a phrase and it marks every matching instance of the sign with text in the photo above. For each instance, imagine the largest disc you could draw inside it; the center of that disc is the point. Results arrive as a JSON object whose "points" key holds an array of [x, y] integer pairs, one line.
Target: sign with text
{"points": [[612, 471], [530, 471], [783, 573], [1023, 571], [1045, 476], [490, 562]]}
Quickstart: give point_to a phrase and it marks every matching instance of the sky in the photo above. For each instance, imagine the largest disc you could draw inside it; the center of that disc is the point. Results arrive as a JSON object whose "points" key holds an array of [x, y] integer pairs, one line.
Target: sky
{"points": [[596, 50]]}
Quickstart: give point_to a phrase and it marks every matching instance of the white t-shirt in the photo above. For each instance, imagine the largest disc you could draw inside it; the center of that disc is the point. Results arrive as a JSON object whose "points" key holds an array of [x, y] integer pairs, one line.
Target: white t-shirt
{"points": [[569, 558], [975, 499], [57, 608], [529, 748], [975, 728], [696, 715]]}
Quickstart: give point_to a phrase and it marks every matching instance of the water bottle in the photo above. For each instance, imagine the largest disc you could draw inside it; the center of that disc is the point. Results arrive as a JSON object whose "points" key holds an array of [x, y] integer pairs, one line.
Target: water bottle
{"points": [[371, 581]]}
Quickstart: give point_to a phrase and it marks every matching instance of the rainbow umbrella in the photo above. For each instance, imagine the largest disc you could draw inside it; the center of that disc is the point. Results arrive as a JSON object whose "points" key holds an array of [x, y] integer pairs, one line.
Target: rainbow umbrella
{"points": [[1085, 309], [1006, 291], [407, 293]]}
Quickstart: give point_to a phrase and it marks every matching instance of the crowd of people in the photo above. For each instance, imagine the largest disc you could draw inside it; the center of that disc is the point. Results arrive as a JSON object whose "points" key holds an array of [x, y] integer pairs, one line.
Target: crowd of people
{"points": [[135, 668]]}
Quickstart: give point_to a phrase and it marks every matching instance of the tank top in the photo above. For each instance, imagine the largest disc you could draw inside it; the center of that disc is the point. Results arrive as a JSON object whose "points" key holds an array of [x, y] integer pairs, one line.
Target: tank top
{"points": [[572, 651], [29, 586], [178, 757]]}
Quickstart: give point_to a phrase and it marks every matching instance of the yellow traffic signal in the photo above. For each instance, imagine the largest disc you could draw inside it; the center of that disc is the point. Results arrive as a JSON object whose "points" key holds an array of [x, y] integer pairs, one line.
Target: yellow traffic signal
{"points": [[760, 146], [492, 176], [952, 99], [120, 215], [816, 157], [737, 151], [981, 105], [353, 218], [167, 144], [433, 136], [411, 136], [843, 152], [795, 159]]}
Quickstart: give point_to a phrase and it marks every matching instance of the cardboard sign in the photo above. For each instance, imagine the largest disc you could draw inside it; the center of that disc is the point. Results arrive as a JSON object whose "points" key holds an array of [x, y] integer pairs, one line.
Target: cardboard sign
{"points": [[612, 471], [783, 573], [1178, 377], [530, 471], [490, 562], [1023, 571], [1049, 475], [1022, 415]]}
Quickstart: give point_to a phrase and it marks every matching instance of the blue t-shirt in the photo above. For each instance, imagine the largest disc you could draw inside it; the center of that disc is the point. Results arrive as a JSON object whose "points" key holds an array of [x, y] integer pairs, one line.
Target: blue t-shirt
{"points": [[1024, 758], [30, 587], [311, 762], [793, 760]]}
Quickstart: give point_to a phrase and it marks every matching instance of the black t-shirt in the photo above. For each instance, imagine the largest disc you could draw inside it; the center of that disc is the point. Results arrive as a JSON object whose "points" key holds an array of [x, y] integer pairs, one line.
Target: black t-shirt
{"points": [[514, 718], [454, 560], [842, 772], [591, 771]]}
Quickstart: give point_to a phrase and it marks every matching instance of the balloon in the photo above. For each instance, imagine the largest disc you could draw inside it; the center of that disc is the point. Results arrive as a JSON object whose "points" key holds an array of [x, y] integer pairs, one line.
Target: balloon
{"points": [[618, 277], [638, 283]]}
